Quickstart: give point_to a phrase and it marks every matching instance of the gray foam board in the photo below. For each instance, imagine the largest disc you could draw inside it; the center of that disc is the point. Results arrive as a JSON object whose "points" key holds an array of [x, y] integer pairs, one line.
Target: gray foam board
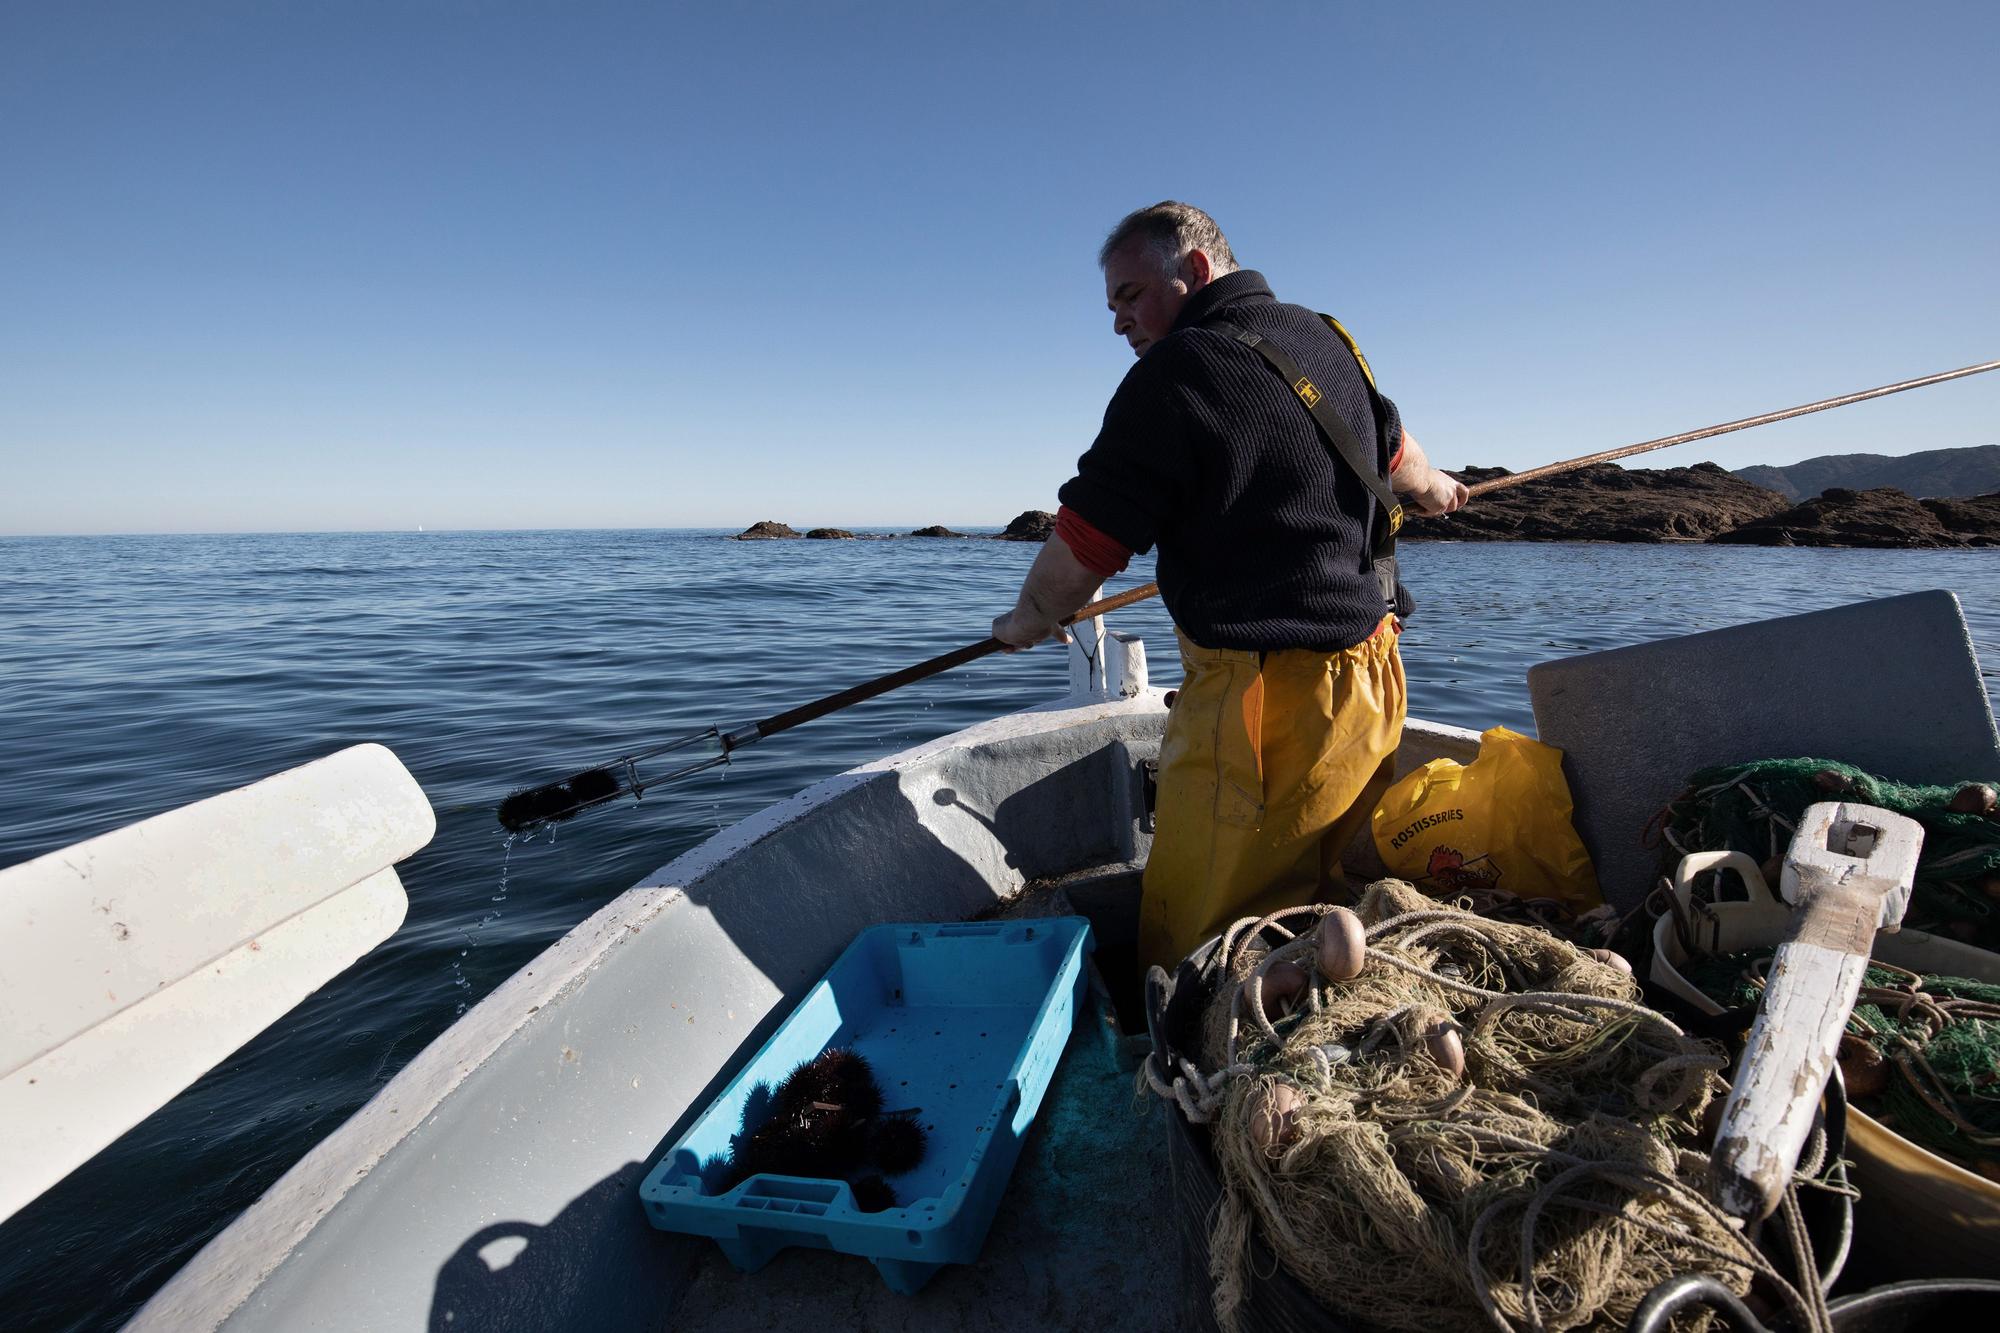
{"points": [[1891, 686]]}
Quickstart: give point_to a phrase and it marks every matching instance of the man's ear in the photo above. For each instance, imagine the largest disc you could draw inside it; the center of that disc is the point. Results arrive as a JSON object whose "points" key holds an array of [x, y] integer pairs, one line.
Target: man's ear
{"points": [[1197, 270]]}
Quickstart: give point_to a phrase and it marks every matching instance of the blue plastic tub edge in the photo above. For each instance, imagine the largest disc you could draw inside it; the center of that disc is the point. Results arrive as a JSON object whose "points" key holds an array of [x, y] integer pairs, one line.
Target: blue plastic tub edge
{"points": [[910, 1243]]}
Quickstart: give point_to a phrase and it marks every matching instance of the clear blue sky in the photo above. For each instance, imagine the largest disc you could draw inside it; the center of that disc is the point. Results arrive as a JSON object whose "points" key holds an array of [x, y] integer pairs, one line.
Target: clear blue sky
{"points": [[348, 265]]}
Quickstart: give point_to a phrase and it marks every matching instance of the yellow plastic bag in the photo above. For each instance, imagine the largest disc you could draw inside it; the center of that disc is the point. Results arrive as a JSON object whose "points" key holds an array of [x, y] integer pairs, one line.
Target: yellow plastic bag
{"points": [[1500, 822]]}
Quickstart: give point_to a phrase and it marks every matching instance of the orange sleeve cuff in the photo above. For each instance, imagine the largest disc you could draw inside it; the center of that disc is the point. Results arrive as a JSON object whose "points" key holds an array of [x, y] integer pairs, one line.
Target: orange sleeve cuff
{"points": [[1096, 552], [1396, 459]]}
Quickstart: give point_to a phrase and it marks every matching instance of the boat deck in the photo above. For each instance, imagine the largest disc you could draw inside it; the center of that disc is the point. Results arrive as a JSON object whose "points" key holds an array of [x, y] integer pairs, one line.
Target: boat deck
{"points": [[1084, 1236]]}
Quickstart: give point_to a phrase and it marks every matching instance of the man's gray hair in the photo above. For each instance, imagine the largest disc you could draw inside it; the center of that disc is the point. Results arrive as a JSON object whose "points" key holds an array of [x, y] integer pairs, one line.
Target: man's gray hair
{"points": [[1168, 231]]}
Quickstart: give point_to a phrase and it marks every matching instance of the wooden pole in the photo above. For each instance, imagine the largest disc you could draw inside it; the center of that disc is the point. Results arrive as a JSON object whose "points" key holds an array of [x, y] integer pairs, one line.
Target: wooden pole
{"points": [[558, 800], [868, 689], [1145, 590], [1668, 441]]}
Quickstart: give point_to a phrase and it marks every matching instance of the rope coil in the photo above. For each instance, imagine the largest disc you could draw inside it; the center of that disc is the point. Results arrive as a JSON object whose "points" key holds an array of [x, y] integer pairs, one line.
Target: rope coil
{"points": [[1386, 1169]]}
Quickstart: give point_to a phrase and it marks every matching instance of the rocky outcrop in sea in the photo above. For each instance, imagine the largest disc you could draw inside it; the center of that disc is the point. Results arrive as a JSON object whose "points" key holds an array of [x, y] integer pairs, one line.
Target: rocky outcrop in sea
{"points": [[1604, 503], [1033, 525], [1883, 517], [772, 530], [767, 530], [1608, 503]]}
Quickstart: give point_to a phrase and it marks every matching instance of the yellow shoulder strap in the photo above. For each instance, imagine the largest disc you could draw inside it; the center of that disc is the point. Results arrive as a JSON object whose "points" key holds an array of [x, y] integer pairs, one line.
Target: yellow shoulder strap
{"points": [[1353, 347]]}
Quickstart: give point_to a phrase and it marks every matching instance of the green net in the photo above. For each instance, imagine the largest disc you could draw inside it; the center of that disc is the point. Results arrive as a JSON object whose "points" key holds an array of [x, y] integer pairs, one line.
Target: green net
{"points": [[1934, 1075], [1755, 807]]}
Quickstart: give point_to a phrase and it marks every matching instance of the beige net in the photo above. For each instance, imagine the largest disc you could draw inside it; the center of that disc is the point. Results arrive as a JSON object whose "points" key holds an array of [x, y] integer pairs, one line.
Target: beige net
{"points": [[1484, 1128]]}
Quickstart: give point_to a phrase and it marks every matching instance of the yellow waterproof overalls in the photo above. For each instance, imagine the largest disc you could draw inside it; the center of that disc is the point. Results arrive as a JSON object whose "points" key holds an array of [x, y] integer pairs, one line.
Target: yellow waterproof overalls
{"points": [[1270, 763]]}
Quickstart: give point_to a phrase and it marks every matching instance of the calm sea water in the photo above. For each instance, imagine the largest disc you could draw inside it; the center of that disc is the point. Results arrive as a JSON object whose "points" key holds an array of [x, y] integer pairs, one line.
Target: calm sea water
{"points": [[140, 673]]}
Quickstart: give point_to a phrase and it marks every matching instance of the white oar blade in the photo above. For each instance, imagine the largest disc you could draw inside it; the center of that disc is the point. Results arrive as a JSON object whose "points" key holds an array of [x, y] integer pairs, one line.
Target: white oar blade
{"points": [[68, 1105], [132, 963]]}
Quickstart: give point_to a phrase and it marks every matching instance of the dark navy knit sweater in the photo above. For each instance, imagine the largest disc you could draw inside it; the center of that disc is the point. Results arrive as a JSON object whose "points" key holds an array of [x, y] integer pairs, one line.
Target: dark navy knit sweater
{"points": [[1205, 450]]}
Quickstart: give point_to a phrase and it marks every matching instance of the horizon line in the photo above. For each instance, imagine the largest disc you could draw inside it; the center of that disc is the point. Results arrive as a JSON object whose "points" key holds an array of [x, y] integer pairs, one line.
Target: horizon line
{"points": [[893, 529]]}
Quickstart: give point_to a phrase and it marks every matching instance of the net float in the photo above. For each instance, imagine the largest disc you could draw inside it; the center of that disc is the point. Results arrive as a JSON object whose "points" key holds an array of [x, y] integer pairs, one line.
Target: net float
{"points": [[1273, 1114], [1340, 945], [1862, 1067], [1284, 986], [1974, 798], [1711, 1119], [1441, 1039], [1612, 960]]}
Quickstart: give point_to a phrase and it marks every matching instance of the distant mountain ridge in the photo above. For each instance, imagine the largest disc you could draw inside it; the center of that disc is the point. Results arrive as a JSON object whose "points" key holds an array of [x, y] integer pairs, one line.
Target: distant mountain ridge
{"points": [[1935, 472]]}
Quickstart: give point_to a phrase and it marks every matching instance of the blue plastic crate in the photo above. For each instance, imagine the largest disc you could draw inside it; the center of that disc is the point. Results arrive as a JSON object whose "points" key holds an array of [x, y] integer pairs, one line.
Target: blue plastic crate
{"points": [[966, 1021]]}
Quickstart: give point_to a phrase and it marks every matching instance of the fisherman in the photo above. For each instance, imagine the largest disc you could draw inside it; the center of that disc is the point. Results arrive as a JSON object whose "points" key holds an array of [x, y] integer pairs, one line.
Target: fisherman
{"points": [[1273, 561]]}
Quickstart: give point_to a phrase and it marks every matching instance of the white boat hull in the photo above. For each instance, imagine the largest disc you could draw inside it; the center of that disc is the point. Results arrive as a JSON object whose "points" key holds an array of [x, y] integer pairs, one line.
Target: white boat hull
{"points": [[530, 1121]]}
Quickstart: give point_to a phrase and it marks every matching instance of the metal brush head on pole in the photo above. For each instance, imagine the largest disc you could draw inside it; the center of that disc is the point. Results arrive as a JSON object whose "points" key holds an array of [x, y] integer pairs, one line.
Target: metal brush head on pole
{"points": [[553, 802]]}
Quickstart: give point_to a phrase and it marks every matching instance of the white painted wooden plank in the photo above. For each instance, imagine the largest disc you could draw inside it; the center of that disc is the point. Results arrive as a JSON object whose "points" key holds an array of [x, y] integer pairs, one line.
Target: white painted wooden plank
{"points": [[1783, 1074], [1847, 875]]}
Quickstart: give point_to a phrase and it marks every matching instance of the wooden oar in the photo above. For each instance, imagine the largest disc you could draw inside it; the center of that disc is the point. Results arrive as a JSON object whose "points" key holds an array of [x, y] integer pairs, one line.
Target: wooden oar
{"points": [[134, 962], [571, 796]]}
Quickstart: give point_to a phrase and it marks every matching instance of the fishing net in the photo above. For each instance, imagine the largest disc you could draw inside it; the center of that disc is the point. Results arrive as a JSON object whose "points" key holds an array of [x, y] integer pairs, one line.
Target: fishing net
{"points": [[1482, 1128], [1922, 1055], [1755, 808]]}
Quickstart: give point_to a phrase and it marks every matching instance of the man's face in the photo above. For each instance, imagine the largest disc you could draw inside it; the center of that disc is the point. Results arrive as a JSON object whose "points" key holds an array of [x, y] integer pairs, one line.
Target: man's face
{"points": [[1144, 304]]}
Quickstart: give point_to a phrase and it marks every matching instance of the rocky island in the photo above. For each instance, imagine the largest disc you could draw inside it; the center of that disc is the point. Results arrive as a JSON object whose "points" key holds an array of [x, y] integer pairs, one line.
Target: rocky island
{"points": [[1604, 503], [1034, 525], [1884, 517], [1703, 503]]}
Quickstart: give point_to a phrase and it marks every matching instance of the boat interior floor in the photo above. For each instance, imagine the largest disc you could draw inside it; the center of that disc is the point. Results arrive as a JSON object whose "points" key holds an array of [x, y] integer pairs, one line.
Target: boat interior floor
{"points": [[1084, 1237]]}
